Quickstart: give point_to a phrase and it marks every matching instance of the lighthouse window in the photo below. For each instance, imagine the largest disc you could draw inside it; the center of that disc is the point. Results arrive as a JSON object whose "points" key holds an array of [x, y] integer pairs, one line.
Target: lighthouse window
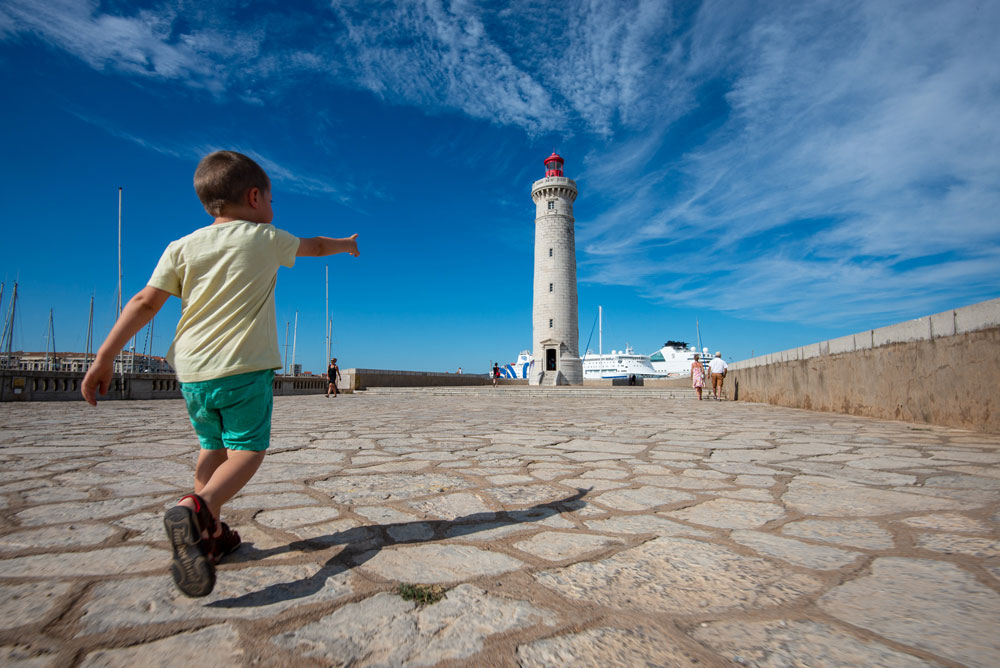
{"points": [[550, 252], [552, 205], [550, 287], [550, 322]]}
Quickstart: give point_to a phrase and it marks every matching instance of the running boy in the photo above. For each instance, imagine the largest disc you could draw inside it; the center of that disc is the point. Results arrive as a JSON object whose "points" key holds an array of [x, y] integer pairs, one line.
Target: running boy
{"points": [[225, 349]]}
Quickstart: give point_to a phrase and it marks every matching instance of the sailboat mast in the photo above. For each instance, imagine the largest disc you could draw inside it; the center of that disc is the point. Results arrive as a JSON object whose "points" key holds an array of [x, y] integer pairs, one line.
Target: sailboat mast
{"points": [[697, 329], [600, 330], [284, 371], [90, 335], [1, 308], [8, 326], [119, 311], [328, 343], [119, 359], [48, 338], [295, 338]]}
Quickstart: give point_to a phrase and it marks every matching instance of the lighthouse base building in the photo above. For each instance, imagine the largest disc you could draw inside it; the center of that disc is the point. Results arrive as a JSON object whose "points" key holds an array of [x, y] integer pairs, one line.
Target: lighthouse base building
{"points": [[555, 329]]}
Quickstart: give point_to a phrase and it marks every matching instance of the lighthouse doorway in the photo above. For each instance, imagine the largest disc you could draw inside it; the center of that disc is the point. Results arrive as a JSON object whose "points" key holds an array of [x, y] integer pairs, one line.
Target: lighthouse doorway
{"points": [[550, 359]]}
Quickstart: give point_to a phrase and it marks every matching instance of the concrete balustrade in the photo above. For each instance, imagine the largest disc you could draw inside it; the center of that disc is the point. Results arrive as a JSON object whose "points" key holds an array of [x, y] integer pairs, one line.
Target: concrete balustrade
{"points": [[941, 369], [16, 385]]}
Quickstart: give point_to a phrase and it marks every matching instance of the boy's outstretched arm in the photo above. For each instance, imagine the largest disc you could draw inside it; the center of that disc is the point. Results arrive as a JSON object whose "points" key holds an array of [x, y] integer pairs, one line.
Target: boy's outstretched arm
{"points": [[139, 310], [319, 246]]}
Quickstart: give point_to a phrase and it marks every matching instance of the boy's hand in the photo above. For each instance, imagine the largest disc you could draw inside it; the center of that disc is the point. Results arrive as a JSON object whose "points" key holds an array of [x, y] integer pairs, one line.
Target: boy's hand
{"points": [[352, 245], [98, 379]]}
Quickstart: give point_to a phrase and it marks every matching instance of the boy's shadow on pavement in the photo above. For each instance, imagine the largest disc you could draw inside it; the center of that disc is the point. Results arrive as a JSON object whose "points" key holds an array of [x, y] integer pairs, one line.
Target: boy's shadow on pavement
{"points": [[362, 546]]}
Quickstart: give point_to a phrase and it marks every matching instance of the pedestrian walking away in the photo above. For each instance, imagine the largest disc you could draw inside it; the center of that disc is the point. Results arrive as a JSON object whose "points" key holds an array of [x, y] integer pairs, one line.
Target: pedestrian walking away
{"points": [[225, 348], [718, 367], [496, 374], [332, 376], [697, 375]]}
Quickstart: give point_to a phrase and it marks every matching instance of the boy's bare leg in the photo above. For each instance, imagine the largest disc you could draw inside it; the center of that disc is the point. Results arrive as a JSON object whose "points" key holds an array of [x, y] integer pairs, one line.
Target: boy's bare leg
{"points": [[227, 473], [208, 462], [230, 477]]}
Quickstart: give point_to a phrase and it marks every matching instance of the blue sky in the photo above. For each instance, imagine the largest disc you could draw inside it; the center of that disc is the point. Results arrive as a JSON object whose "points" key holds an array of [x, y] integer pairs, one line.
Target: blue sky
{"points": [[782, 172]]}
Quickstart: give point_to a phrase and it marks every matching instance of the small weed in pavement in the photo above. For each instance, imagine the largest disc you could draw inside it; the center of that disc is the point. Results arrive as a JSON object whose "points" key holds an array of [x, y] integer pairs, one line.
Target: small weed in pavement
{"points": [[421, 594]]}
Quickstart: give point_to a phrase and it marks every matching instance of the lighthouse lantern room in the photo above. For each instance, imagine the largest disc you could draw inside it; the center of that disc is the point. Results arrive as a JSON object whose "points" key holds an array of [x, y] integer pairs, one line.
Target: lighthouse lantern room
{"points": [[554, 165]]}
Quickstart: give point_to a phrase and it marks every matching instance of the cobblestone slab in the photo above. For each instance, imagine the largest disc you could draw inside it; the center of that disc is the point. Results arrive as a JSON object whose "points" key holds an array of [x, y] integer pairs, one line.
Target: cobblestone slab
{"points": [[947, 522], [107, 561], [214, 647], [819, 496], [23, 604], [642, 498], [553, 546], [295, 517], [452, 506], [730, 514], [777, 644], [953, 543], [252, 593], [796, 552], [385, 630], [853, 533], [689, 576], [431, 564], [931, 605], [23, 657], [73, 535], [572, 530], [645, 524], [606, 646]]}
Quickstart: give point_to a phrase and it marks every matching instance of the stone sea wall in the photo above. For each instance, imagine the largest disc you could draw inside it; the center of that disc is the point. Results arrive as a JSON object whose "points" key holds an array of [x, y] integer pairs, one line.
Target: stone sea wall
{"points": [[942, 369], [360, 379]]}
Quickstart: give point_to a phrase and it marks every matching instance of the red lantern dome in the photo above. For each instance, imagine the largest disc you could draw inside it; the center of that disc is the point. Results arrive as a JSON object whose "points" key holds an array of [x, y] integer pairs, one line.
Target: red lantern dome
{"points": [[554, 165]]}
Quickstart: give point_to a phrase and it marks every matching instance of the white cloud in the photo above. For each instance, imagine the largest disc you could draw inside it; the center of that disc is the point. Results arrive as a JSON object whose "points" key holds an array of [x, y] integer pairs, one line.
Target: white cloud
{"points": [[440, 57], [593, 61], [288, 178], [874, 121], [139, 45]]}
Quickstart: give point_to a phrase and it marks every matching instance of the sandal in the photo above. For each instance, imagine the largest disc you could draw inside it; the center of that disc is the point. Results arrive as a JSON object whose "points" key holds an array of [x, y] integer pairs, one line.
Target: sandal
{"points": [[192, 568], [225, 543]]}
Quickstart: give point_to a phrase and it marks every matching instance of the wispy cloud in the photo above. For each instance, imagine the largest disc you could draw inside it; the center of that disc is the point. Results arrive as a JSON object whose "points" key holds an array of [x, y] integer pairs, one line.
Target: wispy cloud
{"points": [[858, 140], [592, 63], [288, 178], [141, 44]]}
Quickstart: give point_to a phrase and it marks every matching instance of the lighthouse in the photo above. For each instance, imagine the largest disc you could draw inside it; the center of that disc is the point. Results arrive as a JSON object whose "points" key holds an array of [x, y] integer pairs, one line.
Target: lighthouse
{"points": [[555, 331]]}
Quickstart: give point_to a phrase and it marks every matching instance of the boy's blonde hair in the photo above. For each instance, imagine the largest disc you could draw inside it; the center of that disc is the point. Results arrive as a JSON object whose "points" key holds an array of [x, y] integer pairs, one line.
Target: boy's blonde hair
{"points": [[224, 177]]}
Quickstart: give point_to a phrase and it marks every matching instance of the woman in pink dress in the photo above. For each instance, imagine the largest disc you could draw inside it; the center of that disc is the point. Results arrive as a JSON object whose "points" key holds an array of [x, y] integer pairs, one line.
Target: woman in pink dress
{"points": [[697, 375]]}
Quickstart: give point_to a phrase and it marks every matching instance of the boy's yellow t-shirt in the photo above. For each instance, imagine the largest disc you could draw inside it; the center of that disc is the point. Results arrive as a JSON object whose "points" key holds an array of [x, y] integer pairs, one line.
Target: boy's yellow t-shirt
{"points": [[225, 276]]}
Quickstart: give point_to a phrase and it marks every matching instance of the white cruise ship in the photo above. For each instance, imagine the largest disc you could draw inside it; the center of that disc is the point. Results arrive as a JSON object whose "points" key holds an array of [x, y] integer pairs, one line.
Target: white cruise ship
{"points": [[674, 359], [617, 364]]}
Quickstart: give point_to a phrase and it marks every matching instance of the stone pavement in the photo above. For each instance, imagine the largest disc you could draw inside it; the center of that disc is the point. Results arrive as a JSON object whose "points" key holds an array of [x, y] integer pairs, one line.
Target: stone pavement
{"points": [[566, 531]]}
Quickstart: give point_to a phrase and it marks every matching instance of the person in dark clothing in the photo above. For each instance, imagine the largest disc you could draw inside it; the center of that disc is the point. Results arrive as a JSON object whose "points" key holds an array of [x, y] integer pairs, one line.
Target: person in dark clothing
{"points": [[332, 376]]}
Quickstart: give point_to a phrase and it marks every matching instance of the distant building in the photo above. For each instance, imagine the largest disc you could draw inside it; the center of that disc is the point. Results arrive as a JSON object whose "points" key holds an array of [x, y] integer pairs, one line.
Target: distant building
{"points": [[127, 362]]}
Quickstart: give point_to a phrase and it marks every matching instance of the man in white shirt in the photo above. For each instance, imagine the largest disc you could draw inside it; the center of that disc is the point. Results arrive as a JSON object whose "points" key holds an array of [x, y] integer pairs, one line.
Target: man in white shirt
{"points": [[718, 368]]}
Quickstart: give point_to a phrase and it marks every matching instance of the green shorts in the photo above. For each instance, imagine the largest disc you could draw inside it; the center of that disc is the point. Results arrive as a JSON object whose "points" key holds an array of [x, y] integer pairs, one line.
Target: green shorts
{"points": [[232, 412]]}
